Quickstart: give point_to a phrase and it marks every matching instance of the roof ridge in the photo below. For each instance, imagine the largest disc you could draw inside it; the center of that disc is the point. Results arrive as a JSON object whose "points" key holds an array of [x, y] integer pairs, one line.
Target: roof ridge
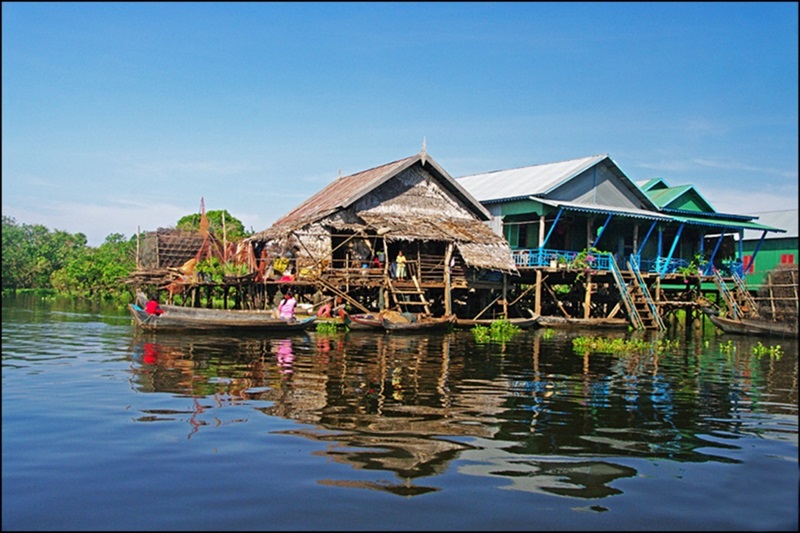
{"points": [[595, 156]]}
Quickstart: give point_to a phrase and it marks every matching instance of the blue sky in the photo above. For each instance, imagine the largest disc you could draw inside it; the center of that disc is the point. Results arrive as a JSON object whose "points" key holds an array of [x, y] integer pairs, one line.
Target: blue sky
{"points": [[118, 116]]}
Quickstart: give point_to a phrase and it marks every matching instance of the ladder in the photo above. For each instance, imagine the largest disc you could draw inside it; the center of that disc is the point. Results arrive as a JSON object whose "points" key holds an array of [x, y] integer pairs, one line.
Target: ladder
{"points": [[743, 296], [625, 293], [730, 300], [644, 296], [403, 297]]}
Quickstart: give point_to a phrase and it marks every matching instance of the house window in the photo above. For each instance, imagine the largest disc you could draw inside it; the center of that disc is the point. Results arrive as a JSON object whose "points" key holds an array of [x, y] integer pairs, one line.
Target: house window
{"points": [[787, 259], [748, 260]]}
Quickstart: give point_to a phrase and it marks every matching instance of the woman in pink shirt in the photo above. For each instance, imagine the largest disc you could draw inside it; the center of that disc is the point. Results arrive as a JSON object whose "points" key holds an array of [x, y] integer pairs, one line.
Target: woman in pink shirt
{"points": [[286, 307]]}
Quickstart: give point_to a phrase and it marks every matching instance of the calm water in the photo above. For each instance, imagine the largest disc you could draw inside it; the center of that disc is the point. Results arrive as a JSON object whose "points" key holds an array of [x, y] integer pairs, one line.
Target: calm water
{"points": [[107, 429]]}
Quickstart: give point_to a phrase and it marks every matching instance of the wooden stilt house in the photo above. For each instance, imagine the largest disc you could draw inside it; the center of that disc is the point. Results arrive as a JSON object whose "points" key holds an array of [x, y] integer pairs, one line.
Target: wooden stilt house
{"points": [[344, 242], [605, 244]]}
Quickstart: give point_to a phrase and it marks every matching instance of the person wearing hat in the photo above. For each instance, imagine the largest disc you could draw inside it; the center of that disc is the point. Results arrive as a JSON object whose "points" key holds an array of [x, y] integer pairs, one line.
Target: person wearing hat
{"points": [[287, 305]]}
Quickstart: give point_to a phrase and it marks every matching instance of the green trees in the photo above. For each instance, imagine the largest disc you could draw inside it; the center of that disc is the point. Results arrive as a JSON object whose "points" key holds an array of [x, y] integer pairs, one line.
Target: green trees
{"points": [[234, 229], [99, 272], [35, 257], [31, 253]]}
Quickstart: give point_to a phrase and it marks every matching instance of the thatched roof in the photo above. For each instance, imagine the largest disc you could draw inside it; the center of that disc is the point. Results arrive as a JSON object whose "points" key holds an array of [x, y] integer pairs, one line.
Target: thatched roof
{"points": [[351, 204]]}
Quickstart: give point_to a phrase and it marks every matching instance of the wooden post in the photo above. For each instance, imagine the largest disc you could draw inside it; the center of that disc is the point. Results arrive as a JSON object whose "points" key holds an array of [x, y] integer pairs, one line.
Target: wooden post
{"points": [[448, 303], [138, 229], [225, 241], [505, 295], [771, 295], [537, 300], [587, 301]]}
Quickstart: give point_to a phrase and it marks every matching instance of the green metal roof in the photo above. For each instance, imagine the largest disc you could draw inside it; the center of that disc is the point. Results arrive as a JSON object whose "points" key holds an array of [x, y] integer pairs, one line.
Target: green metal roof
{"points": [[726, 224]]}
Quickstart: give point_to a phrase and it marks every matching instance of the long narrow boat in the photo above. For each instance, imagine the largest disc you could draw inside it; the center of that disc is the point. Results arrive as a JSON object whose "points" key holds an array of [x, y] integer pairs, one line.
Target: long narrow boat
{"points": [[175, 318], [420, 324], [564, 322], [750, 326], [522, 323]]}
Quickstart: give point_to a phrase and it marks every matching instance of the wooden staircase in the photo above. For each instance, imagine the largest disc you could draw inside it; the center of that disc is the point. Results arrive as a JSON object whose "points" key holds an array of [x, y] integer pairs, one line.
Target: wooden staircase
{"points": [[640, 306], [739, 302], [403, 297], [645, 306], [744, 299]]}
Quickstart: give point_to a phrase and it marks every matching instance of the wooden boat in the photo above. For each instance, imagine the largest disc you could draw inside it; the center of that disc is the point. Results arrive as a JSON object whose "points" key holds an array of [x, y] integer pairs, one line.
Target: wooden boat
{"points": [[176, 317], [420, 323], [564, 322], [753, 326], [522, 323], [363, 321]]}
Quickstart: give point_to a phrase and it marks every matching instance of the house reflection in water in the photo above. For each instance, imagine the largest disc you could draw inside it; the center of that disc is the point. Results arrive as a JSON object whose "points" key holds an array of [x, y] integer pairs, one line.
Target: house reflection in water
{"points": [[531, 413]]}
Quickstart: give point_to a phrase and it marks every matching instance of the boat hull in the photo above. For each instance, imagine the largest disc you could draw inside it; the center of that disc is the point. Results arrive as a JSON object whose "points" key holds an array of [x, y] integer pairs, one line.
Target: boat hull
{"points": [[564, 322], [523, 323], [424, 324], [176, 318], [747, 326]]}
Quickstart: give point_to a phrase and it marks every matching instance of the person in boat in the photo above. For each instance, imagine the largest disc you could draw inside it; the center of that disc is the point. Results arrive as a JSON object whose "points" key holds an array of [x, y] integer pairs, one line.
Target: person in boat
{"points": [[152, 307], [287, 305]]}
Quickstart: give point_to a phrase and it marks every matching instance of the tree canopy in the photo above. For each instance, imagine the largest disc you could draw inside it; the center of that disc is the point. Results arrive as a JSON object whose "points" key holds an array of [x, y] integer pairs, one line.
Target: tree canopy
{"points": [[234, 229]]}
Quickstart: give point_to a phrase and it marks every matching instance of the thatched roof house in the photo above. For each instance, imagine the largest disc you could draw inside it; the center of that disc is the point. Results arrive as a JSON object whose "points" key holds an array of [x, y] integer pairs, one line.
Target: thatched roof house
{"points": [[412, 202]]}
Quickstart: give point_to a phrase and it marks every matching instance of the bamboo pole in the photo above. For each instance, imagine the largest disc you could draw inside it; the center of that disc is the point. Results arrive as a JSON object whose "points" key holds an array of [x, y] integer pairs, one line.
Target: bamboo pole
{"points": [[505, 295], [771, 294], [448, 305], [224, 240], [138, 230], [487, 307], [558, 302]]}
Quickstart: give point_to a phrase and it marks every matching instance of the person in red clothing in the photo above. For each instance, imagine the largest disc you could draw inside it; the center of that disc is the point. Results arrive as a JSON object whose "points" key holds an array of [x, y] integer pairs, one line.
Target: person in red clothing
{"points": [[152, 307]]}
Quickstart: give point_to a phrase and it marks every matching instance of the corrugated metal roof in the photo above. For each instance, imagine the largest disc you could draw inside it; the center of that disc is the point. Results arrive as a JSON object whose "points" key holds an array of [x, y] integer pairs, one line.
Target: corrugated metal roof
{"points": [[785, 219], [726, 224], [344, 191], [726, 216], [526, 181], [713, 221], [663, 197], [646, 185], [606, 210]]}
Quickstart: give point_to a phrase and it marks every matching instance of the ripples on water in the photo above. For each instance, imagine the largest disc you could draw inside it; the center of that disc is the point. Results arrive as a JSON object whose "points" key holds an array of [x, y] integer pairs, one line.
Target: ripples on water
{"points": [[318, 431]]}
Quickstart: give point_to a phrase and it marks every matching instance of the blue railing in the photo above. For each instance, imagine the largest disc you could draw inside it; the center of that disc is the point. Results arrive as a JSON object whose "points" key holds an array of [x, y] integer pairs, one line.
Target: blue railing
{"points": [[546, 257]]}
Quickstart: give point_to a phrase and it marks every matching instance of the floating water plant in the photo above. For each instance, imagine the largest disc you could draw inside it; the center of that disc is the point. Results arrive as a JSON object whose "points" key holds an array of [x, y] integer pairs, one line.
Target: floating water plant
{"points": [[327, 327], [585, 344], [500, 330], [773, 351]]}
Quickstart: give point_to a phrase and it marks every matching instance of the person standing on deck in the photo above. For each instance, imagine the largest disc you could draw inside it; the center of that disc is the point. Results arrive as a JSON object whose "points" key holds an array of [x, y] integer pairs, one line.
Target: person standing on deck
{"points": [[401, 265], [287, 305]]}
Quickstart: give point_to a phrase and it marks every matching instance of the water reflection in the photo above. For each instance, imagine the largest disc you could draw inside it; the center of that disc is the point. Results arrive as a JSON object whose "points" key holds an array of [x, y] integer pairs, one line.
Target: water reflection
{"points": [[530, 412]]}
